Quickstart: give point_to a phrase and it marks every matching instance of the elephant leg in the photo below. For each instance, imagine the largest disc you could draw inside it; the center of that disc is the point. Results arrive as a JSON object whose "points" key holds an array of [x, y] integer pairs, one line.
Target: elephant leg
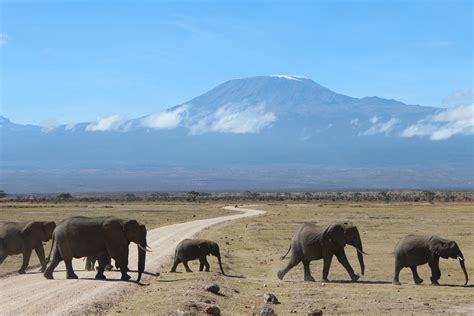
{"points": [[326, 266], [108, 265], [416, 277], [185, 263], [205, 263], [341, 257], [69, 270], [56, 259], [175, 264], [307, 272], [26, 260], [292, 263], [201, 263], [3, 252], [435, 271], [90, 264], [40, 253], [100, 269]]}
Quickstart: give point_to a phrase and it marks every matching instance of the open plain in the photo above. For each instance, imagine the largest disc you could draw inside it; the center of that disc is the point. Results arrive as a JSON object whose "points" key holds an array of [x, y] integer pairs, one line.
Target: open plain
{"points": [[252, 247]]}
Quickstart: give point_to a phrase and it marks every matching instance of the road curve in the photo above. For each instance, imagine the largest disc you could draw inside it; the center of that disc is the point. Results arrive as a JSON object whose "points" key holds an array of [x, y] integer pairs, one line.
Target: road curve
{"points": [[32, 294]]}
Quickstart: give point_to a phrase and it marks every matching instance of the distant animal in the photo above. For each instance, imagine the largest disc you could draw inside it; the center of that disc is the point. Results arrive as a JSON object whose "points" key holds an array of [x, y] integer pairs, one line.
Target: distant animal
{"points": [[311, 242], [101, 237], [23, 237], [192, 249], [413, 251]]}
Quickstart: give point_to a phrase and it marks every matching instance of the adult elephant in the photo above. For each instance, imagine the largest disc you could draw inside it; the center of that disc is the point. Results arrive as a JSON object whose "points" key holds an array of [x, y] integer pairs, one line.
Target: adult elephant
{"points": [[413, 251], [192, 249], [23, 237], [311, 242], [102, 237]]}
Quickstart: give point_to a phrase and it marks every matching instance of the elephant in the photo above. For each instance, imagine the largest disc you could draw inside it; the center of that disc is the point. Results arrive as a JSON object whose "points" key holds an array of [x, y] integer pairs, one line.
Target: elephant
{"points": [[101, 237], [311, 242], [91, 260], [192, 249], [23, 237], [413, 251]]}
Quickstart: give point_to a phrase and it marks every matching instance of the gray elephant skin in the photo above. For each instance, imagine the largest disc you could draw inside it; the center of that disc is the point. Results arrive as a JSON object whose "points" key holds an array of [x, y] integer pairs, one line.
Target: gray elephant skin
{"points": [[192, 249], [311, 242], [22, 238], [413, 251], [102, 238]]}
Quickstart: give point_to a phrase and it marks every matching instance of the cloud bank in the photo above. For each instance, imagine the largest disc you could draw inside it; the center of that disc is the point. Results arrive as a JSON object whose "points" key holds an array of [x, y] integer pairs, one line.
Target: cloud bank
{"points": [[167, 119], [236, 119], [109, 123], [379, 127], [444, 125]]}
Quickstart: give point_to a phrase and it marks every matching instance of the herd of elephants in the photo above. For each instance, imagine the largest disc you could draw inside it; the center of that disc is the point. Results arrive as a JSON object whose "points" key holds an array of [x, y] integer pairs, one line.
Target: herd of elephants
{"points": [[105, 238]]}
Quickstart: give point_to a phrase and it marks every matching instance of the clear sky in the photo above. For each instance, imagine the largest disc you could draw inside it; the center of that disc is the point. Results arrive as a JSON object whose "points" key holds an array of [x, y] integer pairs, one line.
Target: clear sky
{"points": [[64, 62]]}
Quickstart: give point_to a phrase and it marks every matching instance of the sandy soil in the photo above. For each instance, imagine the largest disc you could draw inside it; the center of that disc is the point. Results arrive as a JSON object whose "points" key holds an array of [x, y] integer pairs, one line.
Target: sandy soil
{"points": [[32, 294]]}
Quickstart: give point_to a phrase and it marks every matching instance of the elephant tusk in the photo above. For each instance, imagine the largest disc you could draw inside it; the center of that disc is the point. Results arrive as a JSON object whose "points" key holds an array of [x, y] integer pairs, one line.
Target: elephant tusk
{"points": [[461, 258], [361, 251], [143, 248]]}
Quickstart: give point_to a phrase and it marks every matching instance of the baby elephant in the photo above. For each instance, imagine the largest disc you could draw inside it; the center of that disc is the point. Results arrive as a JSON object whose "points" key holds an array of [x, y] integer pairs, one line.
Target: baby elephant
{"points": [[413, 251], [192, 249]]}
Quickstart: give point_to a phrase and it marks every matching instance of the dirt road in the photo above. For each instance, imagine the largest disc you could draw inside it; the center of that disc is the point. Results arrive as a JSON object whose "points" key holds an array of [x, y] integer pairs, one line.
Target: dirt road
{"points": [[32, 294]]}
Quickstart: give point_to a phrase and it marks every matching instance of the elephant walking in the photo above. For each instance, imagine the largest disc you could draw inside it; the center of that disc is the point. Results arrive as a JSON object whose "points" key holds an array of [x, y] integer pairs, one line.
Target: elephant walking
{"points": [[103, 238], [23, 237], [311, 242], [192, 249], [413, 251]]}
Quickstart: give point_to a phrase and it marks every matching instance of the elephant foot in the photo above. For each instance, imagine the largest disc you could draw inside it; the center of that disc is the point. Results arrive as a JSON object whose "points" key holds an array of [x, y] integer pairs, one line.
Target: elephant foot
{"points": [[394, 282], [100, 277], [325, 280], [355, 278], [280, 275], [434, 282], [72, 276], [21, 271], [309, 278], [125, 277], [419, 281], [43, 269], [48, 276]]}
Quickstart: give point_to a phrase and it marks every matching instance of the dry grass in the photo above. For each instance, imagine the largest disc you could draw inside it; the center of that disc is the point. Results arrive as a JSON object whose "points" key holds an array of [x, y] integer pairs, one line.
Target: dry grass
{"points": [[150, 213], [252, 247]]}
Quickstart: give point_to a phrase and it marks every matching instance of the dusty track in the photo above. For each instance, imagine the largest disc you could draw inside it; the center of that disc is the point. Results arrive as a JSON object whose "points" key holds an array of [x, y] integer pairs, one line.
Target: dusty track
{"points": [[32, 294]]}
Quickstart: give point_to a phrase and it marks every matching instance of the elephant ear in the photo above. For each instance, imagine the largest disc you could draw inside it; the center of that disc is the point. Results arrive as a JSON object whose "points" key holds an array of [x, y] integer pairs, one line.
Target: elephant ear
{"points": [[131, 229], [438, 247], [34, 231], [335, 234], [204, 248], [48, 228]]}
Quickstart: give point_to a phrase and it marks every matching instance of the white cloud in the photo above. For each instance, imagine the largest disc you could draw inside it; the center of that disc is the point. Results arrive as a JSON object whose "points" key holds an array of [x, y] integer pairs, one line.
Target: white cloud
{"points": [[380, 128], [459, 95], [109, 123], [167, 119], [235, 119], [458, 120], [3, 39], [374, 119], [354, 122]]}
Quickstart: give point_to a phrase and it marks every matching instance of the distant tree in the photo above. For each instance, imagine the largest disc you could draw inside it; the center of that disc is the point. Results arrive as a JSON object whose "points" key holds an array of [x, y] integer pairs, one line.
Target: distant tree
{"points": [[130, 197], [64, 196], [3, 194], [193, 195], [429, 196]]}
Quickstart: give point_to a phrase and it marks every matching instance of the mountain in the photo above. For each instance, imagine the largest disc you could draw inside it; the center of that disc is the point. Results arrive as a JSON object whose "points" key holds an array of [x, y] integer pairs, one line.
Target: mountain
{"points": [[273, 126]]}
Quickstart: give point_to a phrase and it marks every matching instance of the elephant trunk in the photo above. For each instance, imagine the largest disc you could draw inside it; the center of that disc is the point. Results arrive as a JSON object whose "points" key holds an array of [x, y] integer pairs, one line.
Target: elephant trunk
{"points": [[360, 255], [141, 254], [220, 262], [463, 267]]}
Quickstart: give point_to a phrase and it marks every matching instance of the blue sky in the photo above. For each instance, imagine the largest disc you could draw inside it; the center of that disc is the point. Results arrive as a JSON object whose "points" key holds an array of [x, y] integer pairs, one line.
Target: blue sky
{"points": [[64, 62]]}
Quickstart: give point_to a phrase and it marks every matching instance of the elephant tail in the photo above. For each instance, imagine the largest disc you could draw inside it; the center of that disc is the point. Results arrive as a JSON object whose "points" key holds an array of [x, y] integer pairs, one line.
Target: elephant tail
{"points": [[50, 250], [284, 256]]}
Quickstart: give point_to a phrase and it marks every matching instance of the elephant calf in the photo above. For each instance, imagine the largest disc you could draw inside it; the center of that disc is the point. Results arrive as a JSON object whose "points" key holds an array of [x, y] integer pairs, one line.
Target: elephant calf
{"points": [[311, 242], [192, 249], [23, 237], [413, 251]]}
